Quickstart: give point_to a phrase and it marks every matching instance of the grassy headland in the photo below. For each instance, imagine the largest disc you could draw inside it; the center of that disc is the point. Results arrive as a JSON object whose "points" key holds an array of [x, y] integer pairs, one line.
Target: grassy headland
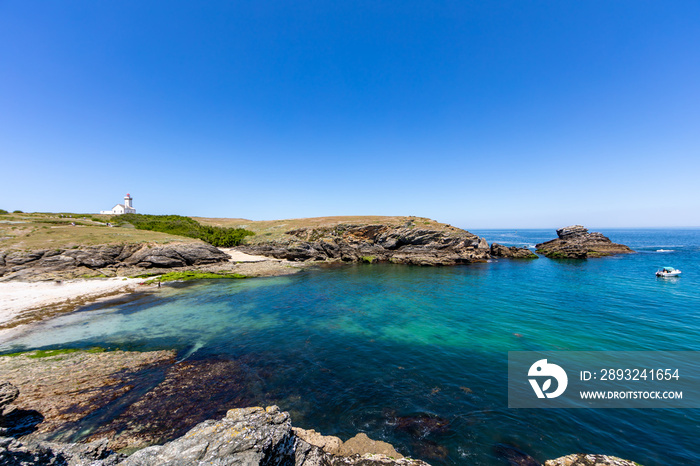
{"points": [[273, 230], [21, 231], [49, 230]]}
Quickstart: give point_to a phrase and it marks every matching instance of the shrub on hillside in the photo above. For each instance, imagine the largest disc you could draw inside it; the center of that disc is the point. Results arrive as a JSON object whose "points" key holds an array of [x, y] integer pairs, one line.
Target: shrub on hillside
{"points": [[185, 226], [3, 212]]}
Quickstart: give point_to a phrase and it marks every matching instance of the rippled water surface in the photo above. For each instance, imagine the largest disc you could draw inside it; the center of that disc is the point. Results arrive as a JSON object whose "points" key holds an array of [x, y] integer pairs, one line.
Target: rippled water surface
{"points": [[417, 356]]}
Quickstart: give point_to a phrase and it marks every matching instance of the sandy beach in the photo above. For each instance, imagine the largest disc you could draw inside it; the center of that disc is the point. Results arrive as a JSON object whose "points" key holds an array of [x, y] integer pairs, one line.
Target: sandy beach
{"points": [[22, 298]]}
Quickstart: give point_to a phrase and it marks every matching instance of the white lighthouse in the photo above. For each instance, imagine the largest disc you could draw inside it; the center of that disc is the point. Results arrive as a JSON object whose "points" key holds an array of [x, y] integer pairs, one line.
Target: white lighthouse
{"points": [[126, 208]]}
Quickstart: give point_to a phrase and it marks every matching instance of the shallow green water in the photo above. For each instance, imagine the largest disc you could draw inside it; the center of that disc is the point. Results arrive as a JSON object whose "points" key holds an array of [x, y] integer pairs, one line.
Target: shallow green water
{"points": [[417, 356]]}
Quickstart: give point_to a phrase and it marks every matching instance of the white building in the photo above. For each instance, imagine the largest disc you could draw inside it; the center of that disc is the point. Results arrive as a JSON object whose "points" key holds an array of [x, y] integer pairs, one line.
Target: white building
{"points": [[119, 209]]}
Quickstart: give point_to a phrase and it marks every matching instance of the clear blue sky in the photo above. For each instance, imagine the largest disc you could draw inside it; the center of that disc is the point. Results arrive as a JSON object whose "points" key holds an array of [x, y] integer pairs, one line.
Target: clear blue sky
{"points": [[482, 114]]}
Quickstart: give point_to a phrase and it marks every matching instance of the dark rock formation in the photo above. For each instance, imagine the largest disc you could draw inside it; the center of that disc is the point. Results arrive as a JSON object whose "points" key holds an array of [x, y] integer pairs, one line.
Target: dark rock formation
{"points": [[575, 242], [511, 252], [14, 452], [589, 460], [406, 244], [8, 394], [26, 264]]}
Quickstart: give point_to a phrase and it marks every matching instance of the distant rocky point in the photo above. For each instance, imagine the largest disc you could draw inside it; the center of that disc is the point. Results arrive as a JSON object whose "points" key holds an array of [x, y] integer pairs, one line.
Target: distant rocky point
{"points": [[575, 242], [511, 252]]}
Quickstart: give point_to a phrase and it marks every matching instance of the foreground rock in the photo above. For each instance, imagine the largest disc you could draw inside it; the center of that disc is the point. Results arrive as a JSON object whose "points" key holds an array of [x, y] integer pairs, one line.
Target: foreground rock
{"points": [[252, 436], [511, 252], [247, 436], [106, 259], [404, 244], [589, 460], [575, 242]]}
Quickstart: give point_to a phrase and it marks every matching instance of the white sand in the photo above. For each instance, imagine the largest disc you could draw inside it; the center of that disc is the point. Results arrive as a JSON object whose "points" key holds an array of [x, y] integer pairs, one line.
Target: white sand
{"points": [[20, 299], [17, 298], [237, 256]]}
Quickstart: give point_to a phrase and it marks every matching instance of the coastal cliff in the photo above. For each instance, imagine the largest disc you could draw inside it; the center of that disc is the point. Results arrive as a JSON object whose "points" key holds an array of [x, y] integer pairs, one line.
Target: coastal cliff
{"points": [[106, 259], [407, 243], [575, 242]]}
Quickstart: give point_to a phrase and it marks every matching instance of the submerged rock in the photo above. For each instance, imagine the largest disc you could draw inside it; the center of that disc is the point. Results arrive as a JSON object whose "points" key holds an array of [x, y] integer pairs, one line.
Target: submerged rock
{"points": [[575, 242], [403, 244], [511, 252], [514, 456]]}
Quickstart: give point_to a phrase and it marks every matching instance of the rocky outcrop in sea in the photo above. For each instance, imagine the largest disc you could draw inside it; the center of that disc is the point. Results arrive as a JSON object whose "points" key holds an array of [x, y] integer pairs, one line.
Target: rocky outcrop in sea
{"points": [[575, 242], [511, 252], [106, 259], [405, 244]]}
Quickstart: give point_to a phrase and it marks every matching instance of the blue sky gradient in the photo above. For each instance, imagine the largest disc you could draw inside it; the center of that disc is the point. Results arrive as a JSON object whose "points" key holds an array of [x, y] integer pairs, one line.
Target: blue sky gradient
{"points": [[480, 114]]}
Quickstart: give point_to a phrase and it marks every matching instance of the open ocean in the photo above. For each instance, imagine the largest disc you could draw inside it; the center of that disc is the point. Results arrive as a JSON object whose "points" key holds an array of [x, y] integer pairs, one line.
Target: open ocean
{"points": [[417, 356]]}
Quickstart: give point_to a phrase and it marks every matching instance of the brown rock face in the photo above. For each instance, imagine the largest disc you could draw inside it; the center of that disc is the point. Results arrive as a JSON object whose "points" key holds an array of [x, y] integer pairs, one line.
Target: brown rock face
{"points": [[405, 244], [575, 242]]}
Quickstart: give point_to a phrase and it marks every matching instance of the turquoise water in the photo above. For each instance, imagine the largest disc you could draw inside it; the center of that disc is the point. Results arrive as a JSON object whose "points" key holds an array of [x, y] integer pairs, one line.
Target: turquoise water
{"points": [[418, 356]]}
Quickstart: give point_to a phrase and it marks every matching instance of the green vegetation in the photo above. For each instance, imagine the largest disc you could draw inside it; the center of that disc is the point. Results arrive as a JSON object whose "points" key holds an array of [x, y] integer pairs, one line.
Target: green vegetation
{"points": [[17, 212], [3, 212], [188, 275], [185, 226], [47, 353], [369, 259]]}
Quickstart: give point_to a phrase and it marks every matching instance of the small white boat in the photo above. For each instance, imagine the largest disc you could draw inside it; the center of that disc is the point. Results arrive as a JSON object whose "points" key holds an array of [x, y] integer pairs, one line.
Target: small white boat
{"points": [[668, 272]]}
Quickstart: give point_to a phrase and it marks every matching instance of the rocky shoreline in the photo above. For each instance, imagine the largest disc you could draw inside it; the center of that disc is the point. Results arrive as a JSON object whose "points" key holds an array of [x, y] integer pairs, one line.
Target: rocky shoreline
{"points": [[248, 436]]}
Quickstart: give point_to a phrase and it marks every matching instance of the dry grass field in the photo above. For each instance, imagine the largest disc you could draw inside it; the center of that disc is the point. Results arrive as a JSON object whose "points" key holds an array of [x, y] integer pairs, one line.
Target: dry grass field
{"points": [[44, 231]]}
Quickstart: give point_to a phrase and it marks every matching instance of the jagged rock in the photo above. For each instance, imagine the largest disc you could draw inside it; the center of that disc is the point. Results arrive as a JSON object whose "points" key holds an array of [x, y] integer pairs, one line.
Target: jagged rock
{"points": [[575, 242], [581, 459], [23, 264], [8, 394], [511, 252], [252, 436], [403, 244], [14, 452], [361, 444], [328, 443]]}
